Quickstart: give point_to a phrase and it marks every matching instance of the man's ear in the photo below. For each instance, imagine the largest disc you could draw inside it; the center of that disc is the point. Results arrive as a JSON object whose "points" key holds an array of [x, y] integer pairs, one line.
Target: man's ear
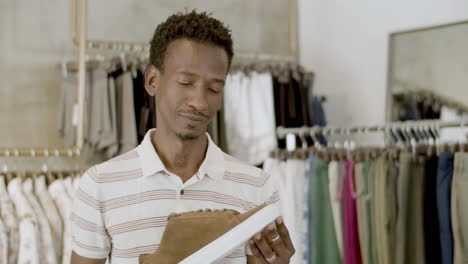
{"points": [[152, 80]]}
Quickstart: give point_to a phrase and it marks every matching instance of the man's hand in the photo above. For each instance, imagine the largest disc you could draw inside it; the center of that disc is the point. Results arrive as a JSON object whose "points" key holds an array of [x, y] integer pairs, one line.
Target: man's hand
{"points": [[273, 244]]}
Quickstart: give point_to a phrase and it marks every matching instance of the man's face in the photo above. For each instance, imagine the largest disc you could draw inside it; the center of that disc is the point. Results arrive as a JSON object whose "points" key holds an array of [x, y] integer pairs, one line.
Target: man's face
{"points": [[189, 91]]}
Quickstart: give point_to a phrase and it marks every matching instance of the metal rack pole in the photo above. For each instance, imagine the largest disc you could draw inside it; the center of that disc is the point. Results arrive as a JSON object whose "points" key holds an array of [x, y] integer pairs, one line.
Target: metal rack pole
{"points": [[282, 132], [79, 105]]}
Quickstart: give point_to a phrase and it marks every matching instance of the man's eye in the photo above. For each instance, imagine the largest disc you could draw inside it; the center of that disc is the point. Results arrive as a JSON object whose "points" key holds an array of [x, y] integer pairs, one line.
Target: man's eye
{"points": [[214, 90], [184, 83]]}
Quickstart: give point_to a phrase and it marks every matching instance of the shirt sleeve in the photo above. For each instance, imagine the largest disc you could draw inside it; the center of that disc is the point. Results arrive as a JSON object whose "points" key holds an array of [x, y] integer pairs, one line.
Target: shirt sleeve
{"points": [[270, 190], [89, 235]]}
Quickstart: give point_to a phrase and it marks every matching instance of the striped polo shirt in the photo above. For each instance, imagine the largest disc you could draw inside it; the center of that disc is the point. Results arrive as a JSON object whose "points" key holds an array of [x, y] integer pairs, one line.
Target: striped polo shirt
{"points": [[121, 207]]}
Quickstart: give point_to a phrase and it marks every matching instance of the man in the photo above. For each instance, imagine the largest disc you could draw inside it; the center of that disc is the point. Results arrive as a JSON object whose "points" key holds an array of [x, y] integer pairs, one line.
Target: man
{"points": [[122, 205]]}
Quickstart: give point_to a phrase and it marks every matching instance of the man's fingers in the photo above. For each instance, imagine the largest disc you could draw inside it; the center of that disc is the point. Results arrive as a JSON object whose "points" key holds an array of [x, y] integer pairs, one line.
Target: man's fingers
{"points": [[264, 247], [284, 233], [256, 253], [275, 240]]}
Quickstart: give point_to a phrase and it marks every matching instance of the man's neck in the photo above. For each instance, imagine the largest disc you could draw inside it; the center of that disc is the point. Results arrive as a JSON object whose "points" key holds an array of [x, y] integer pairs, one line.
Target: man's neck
{"points": [[181, 157]]}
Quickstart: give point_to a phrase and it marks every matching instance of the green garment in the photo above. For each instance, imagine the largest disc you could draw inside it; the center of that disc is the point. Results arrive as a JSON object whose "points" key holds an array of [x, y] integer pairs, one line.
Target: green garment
{"points": [[366, 173], [384, 211], [324, 246], [410, 233]]}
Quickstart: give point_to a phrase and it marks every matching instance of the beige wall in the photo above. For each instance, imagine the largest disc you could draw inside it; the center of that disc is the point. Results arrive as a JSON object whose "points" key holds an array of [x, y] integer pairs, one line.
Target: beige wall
{"points": [[346, 43], [35, 38]]}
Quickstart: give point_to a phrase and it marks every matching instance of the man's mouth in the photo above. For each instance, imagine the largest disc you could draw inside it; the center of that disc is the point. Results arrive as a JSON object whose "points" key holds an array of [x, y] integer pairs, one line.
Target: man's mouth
{"points": [[194, 118]]}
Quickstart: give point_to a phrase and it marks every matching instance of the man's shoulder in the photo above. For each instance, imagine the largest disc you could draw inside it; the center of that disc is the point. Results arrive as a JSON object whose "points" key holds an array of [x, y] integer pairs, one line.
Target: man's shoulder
{"points": [[233, 164], [236, 169], [126, 165]]}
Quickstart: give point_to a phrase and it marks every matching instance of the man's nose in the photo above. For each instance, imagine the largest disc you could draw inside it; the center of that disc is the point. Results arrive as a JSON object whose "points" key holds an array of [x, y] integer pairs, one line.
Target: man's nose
{"points": [[198, 99]]}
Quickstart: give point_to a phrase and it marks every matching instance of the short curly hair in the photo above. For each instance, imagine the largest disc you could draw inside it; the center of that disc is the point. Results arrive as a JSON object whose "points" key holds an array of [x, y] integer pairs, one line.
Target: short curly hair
{"points": [[195, 26]]}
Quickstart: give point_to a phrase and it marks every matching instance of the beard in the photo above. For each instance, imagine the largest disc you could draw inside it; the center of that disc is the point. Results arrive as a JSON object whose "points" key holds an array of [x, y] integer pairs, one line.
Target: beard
{"points": [[190, 133], [187, 136]]}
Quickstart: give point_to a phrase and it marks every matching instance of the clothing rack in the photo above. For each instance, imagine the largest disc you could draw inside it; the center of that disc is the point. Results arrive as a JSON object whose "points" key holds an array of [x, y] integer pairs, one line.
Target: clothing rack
{"points": [[144, 47], [326, 131], [79, 38], [40, 152], [94, 60]]}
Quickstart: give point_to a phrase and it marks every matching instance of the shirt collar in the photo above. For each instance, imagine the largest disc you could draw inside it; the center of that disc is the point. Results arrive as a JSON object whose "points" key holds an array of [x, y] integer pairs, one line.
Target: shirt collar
{"points": [[212, 166]]}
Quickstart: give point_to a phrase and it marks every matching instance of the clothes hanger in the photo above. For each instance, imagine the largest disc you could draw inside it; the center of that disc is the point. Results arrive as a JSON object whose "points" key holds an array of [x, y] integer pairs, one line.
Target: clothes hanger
{"points": [[400, 141], [19, 173], [45, 169], [413, 141], [462, 143], [5, 168], [406, 143], [403, 132], [349, 144], [313, 135], [291, 144], [430, 139], [76, 173], [427, 131], [56, 161], [414, 129], [393, 139], [304, 144]]}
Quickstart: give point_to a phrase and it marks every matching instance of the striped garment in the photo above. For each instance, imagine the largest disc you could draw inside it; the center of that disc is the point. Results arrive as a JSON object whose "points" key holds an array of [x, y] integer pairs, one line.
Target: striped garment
{"points": [[121, 207]]}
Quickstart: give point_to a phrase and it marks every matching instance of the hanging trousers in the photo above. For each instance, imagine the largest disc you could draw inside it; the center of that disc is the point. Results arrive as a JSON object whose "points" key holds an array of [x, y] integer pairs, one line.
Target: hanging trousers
{"points": [[444, 187], [384, 209], [431, 220], [360, 181], [460, 208], [410, 233], [368, 182], [334, 178]]}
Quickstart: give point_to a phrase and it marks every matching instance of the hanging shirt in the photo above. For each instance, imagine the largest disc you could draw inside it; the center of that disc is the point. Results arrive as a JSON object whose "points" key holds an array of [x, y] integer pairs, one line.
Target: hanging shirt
{"points": [[66, 127], [301, 183], [367, 181], [3, 243], [112, 138], [290, 185], [334, 178], [10, 219], [58, 192], [67, 182], [352, 251], [108, 134], [249, 116], [47, 245], [53, 216], [459, 208], [309, 172], [95, 111], [29, 247], [286, 189], [324, 242], [126, 126]]}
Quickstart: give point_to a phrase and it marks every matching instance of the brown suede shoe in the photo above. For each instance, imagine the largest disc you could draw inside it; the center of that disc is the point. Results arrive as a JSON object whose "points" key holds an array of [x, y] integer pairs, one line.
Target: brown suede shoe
{"points": [[186, 233]]}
